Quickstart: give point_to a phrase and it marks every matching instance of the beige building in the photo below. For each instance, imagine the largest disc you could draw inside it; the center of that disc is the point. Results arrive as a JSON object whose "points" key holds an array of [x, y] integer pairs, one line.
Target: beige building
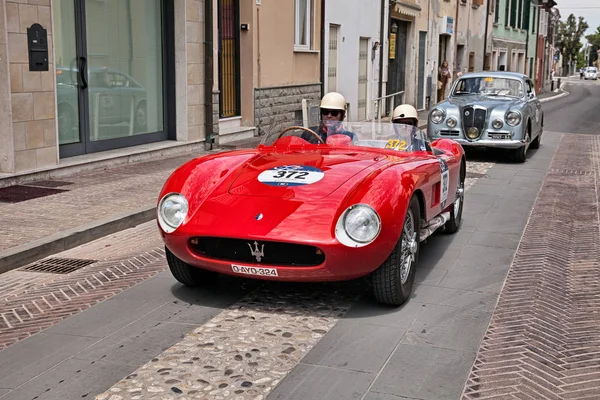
{"points": [[86, 82], [276, 66], [472, 41]]}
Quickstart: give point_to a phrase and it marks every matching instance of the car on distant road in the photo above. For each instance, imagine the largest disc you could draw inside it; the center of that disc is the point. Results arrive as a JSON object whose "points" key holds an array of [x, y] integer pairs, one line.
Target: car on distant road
{"points": [[590, 73], [336, 209], [490, 109]]}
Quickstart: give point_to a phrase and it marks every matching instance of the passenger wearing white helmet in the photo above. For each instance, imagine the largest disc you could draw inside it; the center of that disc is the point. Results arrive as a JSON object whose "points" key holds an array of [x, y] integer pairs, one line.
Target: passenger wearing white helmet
{"points": [[406, 115], [333, 112]]}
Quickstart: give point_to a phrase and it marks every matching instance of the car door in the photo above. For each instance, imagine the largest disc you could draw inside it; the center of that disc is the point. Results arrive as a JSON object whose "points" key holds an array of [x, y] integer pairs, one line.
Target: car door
{"points": [[535, 109]]}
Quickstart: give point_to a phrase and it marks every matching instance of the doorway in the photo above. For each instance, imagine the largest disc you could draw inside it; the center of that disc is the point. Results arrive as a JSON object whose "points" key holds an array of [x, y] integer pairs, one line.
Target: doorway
{"points": [[363, 80], [397, 64], [229, 65], [110, 73]]}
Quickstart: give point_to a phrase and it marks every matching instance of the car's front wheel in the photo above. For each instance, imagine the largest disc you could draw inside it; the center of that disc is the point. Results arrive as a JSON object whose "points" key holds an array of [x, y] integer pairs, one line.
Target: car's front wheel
{"points": [[188, 274], [392, 282]]}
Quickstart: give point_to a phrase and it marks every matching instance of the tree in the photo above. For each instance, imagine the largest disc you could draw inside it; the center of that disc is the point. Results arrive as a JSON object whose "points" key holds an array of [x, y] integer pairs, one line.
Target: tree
{"points": [[581, 59], [594, 38], [568, 39]]}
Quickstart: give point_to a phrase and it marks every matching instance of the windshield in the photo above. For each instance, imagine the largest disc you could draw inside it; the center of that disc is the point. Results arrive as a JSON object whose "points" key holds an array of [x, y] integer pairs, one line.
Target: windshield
{"points": [[378, 135], [489, 86]]}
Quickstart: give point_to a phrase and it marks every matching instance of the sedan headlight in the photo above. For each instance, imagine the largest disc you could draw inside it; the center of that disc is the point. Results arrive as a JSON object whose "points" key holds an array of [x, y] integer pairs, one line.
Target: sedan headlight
{"points": [[497, 124], [437, 116], [172, 210], [358, 226], [513, 118], [451, 122]]}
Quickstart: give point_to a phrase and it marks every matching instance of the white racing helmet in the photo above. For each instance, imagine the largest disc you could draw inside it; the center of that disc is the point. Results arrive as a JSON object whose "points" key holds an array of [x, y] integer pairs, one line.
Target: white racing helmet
{"points": [[405, 111]]}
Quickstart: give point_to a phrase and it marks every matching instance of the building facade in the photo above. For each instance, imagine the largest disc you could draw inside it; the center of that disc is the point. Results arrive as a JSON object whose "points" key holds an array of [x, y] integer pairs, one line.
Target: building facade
{"points": [[442, 28], [509, 35], [471, 36], [280, 65], [352, 53], [83, 78]]}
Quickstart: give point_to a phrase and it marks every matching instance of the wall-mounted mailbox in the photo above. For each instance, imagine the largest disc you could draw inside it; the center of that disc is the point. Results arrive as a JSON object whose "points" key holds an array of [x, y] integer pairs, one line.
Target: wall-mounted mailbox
{"points": [[37, 45]]}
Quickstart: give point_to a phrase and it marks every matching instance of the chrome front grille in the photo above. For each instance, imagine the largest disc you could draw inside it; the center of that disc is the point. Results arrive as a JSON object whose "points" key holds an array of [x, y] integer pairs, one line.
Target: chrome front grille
{"points": [[474, 117]]}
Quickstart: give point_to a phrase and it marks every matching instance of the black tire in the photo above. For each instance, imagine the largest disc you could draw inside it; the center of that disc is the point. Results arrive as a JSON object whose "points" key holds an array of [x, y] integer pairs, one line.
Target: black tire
{"points": [[187, 274], [453, 224], [536, 143], [538, 139], [386, 282], [521, 153]]}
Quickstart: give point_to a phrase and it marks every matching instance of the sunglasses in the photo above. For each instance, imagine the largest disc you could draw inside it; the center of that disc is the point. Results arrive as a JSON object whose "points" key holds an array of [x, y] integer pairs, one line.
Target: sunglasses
{"points": [[334, 113]]}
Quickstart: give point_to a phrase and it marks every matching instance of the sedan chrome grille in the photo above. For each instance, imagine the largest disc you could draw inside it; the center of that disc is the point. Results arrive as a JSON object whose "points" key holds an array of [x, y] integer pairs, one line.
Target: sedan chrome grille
{"points": [[474, 117]]}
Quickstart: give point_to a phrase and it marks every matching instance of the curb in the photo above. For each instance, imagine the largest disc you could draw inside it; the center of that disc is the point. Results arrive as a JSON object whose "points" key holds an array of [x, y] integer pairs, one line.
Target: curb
{"points": [[18, 256]]}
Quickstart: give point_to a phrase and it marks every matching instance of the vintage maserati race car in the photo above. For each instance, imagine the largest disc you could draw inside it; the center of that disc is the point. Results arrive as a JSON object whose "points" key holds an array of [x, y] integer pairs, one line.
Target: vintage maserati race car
{"points": [[355, 204], [490, 109]]}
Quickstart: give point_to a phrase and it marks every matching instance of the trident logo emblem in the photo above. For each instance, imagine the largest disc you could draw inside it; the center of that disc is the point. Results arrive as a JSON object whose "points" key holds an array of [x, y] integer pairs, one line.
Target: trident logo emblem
{"points": [[258, 254]]}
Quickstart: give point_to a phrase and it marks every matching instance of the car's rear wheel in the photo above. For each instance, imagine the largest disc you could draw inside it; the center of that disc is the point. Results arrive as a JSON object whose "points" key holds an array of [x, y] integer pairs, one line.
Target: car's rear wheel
{"points": [[392, 282], [453, 224], [187, 274]]}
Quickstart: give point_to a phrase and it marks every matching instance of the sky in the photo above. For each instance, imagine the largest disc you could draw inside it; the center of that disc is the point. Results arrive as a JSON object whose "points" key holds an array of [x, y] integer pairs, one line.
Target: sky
{"points": [[589, 9]]}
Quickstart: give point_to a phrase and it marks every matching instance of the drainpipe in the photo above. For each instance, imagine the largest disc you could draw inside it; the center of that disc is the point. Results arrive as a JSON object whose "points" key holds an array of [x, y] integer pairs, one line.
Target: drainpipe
{"points": [[323, 29], [485, 36], [527, 40], [381, 48], [456, 40], [208, 71]]}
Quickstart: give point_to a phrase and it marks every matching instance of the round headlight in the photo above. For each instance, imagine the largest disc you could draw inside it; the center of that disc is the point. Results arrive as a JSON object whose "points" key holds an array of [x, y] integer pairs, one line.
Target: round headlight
{"points": [[358, 226], [437, 116], [451, 122], [497, 124], [513, 118], [172, 211]]}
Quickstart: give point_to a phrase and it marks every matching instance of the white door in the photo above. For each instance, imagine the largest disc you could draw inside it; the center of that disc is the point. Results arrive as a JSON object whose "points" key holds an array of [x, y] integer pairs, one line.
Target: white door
{"points": [[333, 58], [363, 81]]}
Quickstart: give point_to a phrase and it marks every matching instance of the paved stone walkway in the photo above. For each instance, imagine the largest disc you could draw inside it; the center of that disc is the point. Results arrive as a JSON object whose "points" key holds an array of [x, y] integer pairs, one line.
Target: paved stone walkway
{"points": [[89, 197], [543, 341]]}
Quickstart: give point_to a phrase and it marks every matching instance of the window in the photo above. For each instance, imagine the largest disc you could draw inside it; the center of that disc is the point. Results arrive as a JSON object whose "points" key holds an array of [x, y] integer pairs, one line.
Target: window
{"points": [[302, 24]]}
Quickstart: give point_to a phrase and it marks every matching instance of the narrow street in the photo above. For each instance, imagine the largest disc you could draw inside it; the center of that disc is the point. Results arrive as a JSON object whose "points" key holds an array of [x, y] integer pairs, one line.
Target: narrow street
{"points": [[508, 306]]}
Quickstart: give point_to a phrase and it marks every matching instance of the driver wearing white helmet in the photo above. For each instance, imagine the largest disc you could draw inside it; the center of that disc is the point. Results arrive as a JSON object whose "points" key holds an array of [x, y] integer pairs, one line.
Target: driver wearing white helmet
{"points": [[333, 112], [405, 114]]}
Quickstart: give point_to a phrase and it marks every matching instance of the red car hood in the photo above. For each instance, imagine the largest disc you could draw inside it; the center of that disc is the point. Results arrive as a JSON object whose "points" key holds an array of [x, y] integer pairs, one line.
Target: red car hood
{"points": [[301, 176]]}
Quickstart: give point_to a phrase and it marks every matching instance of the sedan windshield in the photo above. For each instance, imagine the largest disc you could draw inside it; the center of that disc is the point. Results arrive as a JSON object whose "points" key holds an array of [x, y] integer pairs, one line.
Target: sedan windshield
{"points": [[489, 86]]}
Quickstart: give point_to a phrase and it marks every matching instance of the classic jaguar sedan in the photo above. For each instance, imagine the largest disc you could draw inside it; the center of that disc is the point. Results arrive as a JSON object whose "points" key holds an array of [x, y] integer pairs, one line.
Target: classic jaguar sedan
{"points": [[306, 207], [490, 109]]}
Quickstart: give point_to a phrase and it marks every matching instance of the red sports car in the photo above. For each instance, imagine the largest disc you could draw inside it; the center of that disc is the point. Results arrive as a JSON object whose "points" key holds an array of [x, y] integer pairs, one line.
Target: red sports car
{"points": [[308, 207]]}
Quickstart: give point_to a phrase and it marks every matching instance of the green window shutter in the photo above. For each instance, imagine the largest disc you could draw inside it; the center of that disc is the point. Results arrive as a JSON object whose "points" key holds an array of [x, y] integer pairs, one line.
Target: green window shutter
{"points": [[497, 16], [507, 13], [526, 15], [513, 13]]}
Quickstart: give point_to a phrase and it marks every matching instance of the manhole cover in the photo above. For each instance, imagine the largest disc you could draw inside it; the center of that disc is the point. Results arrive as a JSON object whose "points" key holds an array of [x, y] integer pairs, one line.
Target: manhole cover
{"points": [[49, 183], [58, 265], [18, 193]]}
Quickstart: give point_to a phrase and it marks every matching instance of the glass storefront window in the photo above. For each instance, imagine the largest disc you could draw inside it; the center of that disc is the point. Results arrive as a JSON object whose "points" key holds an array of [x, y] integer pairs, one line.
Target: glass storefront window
{"points": [[124, 46], [124, 65]]}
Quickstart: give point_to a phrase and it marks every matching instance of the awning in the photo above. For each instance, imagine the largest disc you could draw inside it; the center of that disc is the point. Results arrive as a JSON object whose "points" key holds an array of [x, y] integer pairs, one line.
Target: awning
{"points": [[412, 10]]}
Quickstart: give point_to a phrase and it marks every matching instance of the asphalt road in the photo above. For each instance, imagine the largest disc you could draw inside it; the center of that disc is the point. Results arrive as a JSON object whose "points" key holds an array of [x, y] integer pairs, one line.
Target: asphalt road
{"points": [[579, 112]]}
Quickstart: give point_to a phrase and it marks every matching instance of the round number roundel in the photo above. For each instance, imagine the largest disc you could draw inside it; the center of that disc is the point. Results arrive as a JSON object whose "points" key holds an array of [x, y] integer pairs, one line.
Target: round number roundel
{"points": [[291, 175]]}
